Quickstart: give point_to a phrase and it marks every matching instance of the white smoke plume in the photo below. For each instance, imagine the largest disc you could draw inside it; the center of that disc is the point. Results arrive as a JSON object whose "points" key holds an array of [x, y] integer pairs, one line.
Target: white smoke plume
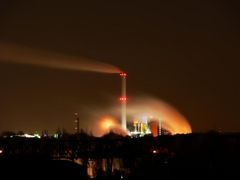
{"points": [[11, 53], [172, 120]]}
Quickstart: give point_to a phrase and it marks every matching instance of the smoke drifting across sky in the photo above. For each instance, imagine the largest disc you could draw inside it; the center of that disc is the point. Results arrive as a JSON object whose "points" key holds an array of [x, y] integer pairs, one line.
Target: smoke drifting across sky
{"points": [[141, 106], [11, 53]]}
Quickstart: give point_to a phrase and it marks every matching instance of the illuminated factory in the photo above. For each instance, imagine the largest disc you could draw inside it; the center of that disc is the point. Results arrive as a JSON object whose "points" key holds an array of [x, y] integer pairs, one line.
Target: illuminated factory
{"points": [[145, 126], [138, 127]]}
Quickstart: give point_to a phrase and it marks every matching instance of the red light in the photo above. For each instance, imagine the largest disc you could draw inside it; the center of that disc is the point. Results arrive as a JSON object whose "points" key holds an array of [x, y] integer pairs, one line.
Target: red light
{"points": [[123, 74], [123, 99]]}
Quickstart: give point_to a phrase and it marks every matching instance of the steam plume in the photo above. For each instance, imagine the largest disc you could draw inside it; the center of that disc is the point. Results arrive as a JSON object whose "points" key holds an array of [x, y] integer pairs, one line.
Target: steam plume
{"points": [[173, 120], [11, 53]]}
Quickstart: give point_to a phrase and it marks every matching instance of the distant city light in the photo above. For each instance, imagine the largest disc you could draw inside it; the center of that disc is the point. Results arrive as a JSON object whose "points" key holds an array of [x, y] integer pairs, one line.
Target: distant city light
{"points": [[154, 151], [30, 136], [55, 135]]}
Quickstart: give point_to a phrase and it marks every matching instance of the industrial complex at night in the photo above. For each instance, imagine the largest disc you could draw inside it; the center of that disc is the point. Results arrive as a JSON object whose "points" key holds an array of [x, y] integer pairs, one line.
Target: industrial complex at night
{"points": [[142, 126], [119, 89]]}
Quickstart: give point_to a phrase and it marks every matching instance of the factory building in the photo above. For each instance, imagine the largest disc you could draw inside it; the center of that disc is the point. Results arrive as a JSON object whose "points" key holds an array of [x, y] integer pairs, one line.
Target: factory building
{"points": [[144, 126]]}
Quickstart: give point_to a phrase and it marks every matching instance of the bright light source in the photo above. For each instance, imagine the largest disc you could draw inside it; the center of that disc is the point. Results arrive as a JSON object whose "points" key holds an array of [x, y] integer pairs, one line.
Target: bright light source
{"points": [[123, 98], [1, 151], [37, 136], [55, 135], [108, 122], [123, 74], [154, 151]]}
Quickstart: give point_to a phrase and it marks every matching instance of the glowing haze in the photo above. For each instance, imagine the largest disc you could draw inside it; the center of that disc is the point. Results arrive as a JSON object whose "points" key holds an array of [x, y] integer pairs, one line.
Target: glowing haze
{"points": [[172, 120], [106, 124], [12, 53]]}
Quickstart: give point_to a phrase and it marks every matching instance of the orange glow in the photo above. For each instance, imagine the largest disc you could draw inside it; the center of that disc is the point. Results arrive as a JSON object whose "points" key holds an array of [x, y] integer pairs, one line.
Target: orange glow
{"points": [[154, 128], [106, 124], [164, 114], [171, 119]]}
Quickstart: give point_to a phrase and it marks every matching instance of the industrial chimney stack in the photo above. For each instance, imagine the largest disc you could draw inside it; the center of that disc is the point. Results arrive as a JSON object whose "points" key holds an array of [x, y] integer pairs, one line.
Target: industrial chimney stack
{"points": [[123, 100]]}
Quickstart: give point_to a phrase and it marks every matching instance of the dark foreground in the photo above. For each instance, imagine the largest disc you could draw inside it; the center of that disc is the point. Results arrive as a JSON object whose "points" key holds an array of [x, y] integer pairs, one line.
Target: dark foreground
{"points": [[193, 156]]}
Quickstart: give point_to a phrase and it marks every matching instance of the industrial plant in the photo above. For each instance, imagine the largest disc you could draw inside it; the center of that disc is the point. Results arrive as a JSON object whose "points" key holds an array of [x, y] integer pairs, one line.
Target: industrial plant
{"points": [[144, 126], [137, 127]]}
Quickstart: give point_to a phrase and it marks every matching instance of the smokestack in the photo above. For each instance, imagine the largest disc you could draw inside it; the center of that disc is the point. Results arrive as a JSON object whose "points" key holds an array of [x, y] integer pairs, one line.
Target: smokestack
{"points": [[76, 122], [123, 100]]}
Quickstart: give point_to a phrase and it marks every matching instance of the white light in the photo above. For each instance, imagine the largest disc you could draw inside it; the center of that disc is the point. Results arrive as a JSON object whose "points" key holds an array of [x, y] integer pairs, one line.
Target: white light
{"points": [[1, 151], [29, 136], [37, 136], [154, 151], [55, 135]]}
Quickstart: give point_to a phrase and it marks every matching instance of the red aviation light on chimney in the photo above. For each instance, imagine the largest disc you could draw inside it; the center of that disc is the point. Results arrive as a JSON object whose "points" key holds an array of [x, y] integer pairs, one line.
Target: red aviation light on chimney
{"points": [[123, 74], [123, 99]]}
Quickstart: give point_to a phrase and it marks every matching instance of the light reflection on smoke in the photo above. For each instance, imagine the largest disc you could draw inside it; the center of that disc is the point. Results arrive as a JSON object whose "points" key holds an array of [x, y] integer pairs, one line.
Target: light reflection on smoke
{"points": [[173, 121], [106, 124]]}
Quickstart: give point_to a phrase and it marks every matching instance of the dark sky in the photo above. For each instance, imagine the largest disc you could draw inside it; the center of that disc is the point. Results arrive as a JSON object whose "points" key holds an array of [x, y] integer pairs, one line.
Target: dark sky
{"points": [[184, 52]]}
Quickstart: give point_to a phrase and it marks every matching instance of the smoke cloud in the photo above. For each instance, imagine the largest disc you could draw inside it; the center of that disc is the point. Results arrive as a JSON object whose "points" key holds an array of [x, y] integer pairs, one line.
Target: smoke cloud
{"points": [[172, 120], [11, 53]]}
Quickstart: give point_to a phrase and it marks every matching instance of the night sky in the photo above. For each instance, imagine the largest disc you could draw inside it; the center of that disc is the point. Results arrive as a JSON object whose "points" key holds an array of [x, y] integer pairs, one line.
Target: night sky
{"points": [[184, 52]]}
